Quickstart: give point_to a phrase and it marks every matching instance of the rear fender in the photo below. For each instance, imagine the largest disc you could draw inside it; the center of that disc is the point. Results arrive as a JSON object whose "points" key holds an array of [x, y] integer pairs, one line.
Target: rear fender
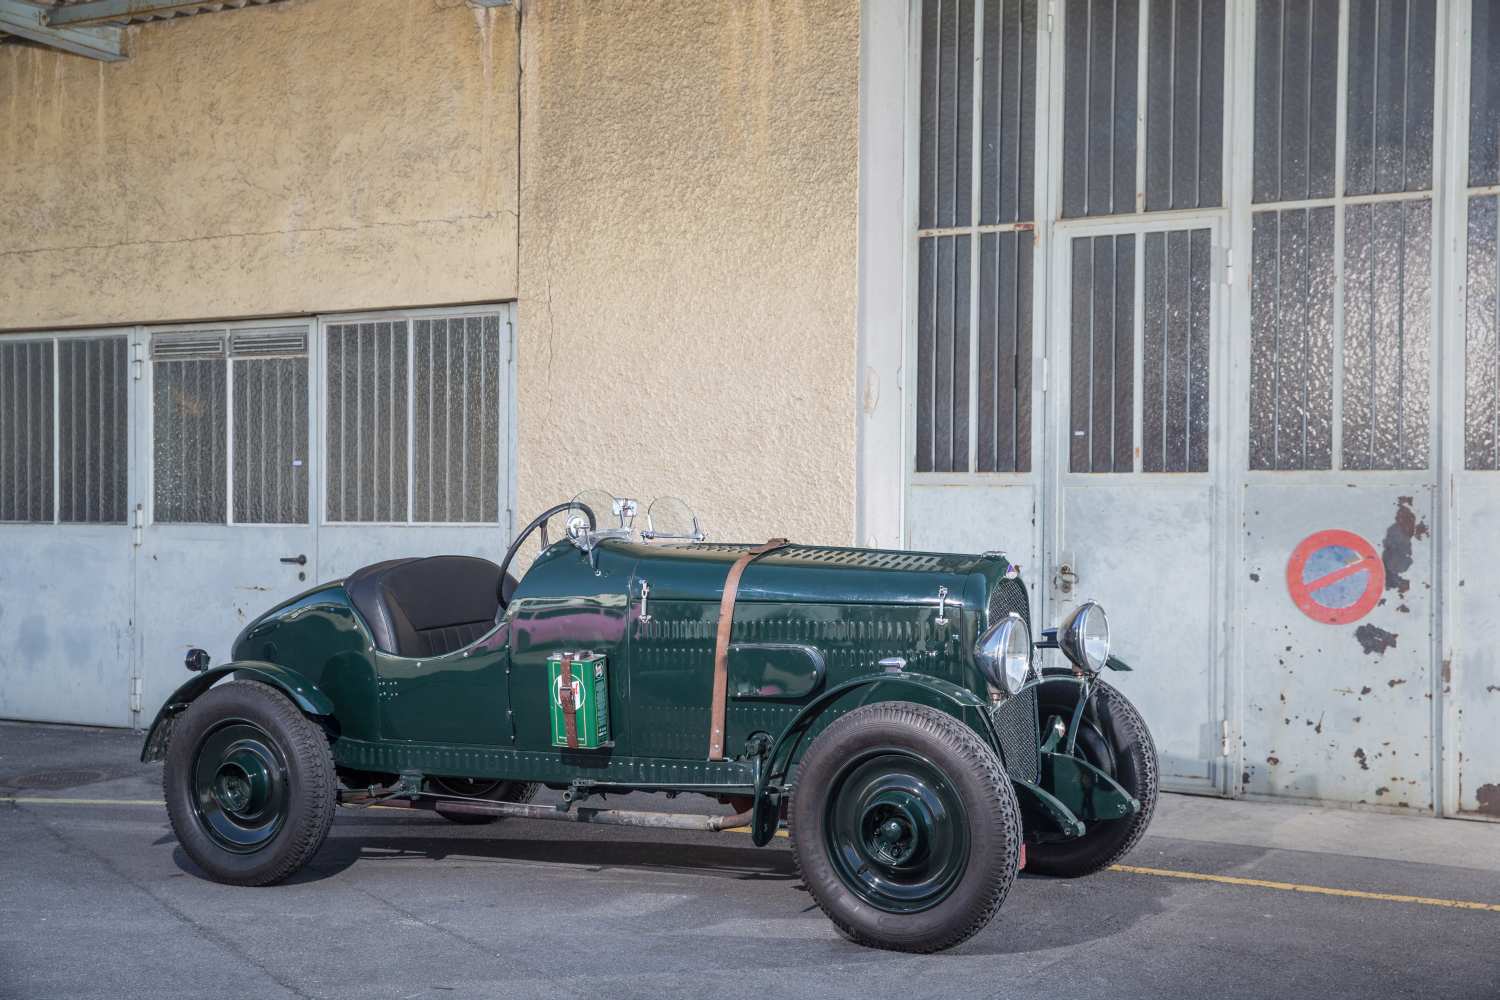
{"points": [[921, 689], [290, 683]]}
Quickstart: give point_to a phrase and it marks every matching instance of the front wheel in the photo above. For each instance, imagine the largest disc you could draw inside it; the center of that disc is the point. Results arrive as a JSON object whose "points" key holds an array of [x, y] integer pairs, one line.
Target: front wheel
{"points": [[250, 784], [1113, 737], [904, 827]]}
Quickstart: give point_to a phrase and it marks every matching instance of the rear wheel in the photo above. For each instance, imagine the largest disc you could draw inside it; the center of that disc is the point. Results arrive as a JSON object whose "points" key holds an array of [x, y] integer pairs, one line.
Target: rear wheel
{"points": [[250, 784], [1113, 737], [487, 789], [904, 827]]}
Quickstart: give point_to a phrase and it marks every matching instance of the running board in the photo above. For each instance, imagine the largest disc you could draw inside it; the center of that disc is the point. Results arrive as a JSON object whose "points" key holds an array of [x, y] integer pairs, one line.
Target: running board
{"points": [[578, 814]]}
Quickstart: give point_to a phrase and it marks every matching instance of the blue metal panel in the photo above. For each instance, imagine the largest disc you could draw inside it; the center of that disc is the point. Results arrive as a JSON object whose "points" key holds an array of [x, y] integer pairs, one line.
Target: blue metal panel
{"points": [[29, 21]]}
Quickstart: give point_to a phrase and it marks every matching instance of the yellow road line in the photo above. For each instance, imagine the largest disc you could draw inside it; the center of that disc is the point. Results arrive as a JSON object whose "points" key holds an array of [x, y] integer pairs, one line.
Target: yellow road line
{"points": [[746, 829], [1260, 883]]}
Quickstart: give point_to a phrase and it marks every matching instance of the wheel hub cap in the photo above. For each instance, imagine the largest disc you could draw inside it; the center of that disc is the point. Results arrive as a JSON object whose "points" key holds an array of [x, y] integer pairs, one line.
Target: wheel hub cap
{"points": [[240, 788], [897, 831]]}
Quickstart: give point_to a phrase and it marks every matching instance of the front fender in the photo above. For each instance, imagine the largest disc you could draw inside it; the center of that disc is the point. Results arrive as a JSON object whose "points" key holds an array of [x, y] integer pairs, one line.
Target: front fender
{"points": [[922, 689], [290, 683]]}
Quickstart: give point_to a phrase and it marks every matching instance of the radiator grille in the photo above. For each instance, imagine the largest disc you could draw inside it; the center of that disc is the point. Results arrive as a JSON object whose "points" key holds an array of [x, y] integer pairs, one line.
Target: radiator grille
{"points": [[1016, 717], [1016, 720]]}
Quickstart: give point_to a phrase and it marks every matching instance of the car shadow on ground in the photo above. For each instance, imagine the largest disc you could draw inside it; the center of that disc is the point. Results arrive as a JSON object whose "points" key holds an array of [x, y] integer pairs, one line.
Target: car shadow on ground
{"points": [[1055, 913], [595, 854]]}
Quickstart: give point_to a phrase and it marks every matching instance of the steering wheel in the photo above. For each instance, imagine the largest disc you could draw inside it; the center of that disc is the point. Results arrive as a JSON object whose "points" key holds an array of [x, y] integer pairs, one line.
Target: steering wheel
{"points": [[538, 522]]}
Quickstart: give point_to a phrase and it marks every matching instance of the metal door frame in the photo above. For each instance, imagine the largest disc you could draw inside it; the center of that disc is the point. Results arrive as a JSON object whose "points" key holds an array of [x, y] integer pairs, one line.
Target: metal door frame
{"points": [[1226, 410], [1221, 474]]}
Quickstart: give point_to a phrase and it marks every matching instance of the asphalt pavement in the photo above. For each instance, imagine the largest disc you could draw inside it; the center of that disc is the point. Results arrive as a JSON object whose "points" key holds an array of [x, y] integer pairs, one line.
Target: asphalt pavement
{"points": [[1225, 899]]}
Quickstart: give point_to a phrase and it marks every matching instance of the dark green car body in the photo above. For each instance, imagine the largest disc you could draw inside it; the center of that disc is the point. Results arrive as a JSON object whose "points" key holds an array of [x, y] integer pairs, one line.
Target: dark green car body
{"points": [[817, 632]]}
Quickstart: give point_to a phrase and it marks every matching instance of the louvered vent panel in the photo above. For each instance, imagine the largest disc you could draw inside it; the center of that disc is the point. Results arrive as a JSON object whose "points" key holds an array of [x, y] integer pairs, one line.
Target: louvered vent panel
{"points": [[187, 346], [260, 343]]}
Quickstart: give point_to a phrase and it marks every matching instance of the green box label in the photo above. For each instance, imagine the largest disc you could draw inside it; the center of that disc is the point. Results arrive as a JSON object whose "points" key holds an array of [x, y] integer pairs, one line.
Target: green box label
{"points": [[589, 676]]}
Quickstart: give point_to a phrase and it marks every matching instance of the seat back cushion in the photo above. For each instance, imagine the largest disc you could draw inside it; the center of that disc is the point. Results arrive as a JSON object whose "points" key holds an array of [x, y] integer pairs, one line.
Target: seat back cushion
{"points": [[426, 607]]}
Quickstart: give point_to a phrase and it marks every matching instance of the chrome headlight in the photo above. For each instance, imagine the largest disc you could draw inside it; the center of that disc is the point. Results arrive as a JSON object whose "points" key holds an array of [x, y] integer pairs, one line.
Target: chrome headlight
{"points": [[1004, 653], [1084, 637]]}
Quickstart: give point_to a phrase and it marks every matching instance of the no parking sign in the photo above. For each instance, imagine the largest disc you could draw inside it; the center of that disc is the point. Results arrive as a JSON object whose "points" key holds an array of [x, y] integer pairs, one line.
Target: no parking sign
{"points": [[1335, 577]]}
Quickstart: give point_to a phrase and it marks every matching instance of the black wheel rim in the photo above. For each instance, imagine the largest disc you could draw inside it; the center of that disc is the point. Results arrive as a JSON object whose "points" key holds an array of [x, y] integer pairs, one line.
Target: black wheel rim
{"points": [[896, 830], [473, 788], [240, 786]]}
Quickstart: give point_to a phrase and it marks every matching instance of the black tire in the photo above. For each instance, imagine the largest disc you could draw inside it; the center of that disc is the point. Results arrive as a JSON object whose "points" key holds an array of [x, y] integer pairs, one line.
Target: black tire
{"points": [[479, 788], [250, 784], [836, 820], [1113, 737]]}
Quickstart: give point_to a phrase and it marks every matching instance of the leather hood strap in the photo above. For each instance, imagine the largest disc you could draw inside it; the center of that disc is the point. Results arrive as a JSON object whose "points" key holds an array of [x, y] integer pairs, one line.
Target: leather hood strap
{"points": [[721, 643]]}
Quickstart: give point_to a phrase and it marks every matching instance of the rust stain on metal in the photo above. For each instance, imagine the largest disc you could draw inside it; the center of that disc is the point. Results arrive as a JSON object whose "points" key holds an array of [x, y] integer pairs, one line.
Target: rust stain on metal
{"points": [[1255, 578], [1489, 799], [1374, 640], [1395, 550], [1273, 759], [1359, 755], [1394, 681]]}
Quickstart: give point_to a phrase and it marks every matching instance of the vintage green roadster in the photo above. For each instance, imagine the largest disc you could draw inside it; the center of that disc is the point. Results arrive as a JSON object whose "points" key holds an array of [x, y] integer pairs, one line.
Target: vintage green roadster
{"points": [[887, 707]]}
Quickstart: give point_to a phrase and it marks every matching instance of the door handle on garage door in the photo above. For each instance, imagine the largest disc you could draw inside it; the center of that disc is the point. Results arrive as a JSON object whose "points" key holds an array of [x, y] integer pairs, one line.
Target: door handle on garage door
{"points": [[298, 560]]}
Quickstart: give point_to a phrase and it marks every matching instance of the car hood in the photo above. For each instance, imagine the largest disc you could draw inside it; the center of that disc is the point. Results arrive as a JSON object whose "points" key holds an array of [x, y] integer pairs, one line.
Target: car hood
{"points": [[814, 573]]}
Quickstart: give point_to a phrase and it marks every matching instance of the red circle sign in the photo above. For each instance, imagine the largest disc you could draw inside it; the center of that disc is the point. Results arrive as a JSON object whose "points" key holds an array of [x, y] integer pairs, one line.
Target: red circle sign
{"points": [[1335, 577]]}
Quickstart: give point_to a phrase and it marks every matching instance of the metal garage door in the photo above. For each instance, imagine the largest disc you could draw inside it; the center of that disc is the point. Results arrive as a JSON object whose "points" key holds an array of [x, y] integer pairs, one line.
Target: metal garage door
{"points": [[160, 487], [1179, 345], [283, 455], [1068, 378], [66, 559]]}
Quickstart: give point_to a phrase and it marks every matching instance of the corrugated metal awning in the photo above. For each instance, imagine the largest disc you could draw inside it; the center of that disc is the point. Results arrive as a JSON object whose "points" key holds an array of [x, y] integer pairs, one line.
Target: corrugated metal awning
{"points": [[92, 28]]}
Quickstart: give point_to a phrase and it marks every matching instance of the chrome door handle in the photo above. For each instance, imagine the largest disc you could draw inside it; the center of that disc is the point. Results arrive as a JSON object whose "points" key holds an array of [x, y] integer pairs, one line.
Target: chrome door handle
{"points": [[298, 560]]}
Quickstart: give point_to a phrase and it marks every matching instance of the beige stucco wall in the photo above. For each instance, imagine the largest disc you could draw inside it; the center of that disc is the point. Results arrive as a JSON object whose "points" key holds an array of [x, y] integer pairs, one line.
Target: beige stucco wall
{"points": [[688, 258], [308, 156]]}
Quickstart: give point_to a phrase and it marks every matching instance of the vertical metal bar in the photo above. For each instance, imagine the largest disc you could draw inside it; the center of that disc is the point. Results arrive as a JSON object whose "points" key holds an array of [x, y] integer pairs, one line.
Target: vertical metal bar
{"points": [[1198, 132], [378, 333], [976, 145], [7, 427], [228, 443], [56, 472], [1281, 192], [484, 423], [1114, 58], [411, 420], [1277, 360], [343, 428], [1091, 354], [1142, 67], [1446, 444], [1088, 104], [1340, 158]]}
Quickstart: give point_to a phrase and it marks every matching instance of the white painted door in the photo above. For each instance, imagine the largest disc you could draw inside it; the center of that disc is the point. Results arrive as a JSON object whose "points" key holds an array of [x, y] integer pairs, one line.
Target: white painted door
{"points": [[1133, 505], [227, 516]]}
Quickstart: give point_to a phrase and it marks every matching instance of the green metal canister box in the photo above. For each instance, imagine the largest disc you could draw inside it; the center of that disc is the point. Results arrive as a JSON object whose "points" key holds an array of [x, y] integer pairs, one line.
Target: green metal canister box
{"points": [[579, 688]]}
